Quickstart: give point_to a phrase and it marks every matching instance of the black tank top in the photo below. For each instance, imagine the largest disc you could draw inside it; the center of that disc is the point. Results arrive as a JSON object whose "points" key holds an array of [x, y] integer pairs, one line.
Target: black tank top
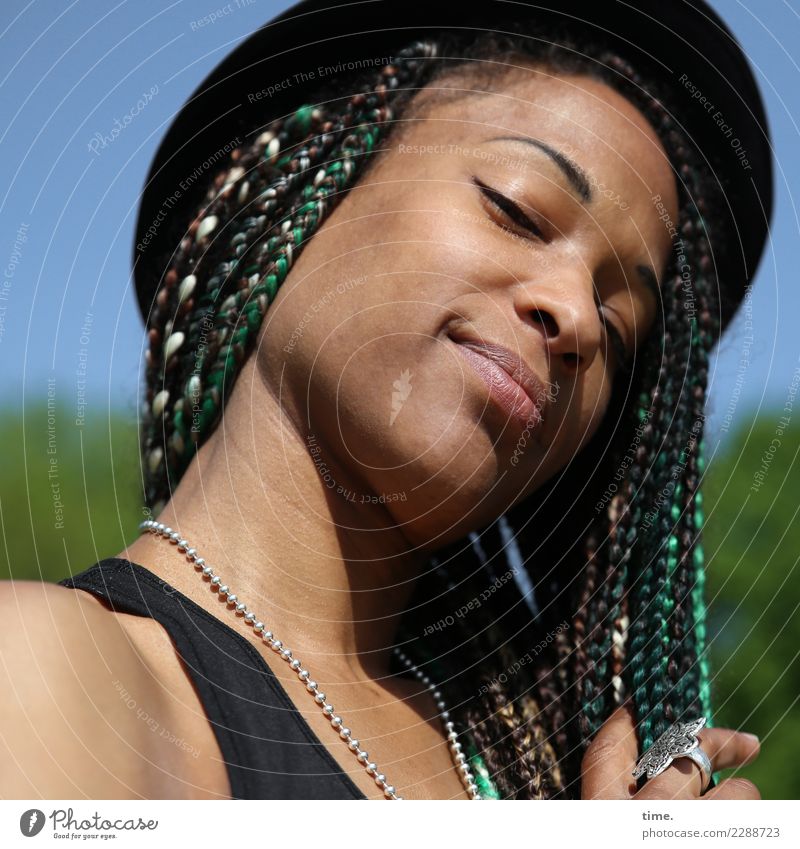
{"points": [[270, 751]]}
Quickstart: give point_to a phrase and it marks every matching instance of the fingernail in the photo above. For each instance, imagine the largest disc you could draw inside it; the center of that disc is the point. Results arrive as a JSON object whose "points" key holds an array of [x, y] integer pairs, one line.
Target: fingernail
{"points": [[752, 737]]}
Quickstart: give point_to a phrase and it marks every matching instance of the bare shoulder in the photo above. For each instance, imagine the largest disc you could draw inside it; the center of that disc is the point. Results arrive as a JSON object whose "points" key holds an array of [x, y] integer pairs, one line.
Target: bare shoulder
{"points": [[72, 680]]}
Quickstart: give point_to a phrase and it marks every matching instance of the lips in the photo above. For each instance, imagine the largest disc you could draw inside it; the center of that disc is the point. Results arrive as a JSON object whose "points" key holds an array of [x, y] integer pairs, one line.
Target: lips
{"points": [[512, 384]]}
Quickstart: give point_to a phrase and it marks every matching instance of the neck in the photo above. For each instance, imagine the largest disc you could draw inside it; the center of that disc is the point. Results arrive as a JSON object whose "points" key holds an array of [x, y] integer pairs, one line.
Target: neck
{"points": [[329, 576]]}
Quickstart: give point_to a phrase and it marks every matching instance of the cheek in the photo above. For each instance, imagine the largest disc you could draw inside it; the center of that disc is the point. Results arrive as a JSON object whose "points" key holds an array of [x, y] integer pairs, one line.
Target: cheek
{"points": [[370, 370], [588, 406]]}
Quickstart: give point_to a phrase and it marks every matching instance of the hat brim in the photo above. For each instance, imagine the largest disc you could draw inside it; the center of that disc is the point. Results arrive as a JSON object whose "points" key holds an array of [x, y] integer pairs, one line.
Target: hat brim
{"points": [[276, 68]]}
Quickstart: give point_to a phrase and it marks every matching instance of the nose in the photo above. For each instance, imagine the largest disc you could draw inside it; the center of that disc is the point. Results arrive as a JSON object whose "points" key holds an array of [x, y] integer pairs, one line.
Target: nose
{"points": [[564, 309]]}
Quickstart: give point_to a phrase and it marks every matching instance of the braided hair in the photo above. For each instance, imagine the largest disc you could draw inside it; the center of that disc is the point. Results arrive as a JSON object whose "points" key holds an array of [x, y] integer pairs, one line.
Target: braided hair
{"points": [[532, 662]]}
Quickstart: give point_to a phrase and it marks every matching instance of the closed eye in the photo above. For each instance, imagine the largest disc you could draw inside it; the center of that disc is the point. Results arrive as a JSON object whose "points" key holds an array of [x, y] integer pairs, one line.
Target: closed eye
{"points": [[512, 211], [509, 209], [623, 361]]}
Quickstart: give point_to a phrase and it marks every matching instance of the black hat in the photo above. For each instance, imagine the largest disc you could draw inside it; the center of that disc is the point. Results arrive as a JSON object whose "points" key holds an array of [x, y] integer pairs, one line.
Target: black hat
{"points": [[276, 69]]}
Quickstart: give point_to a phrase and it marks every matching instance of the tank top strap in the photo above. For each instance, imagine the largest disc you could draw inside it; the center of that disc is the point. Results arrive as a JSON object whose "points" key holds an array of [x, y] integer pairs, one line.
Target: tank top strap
{"points": [[270, 751]]}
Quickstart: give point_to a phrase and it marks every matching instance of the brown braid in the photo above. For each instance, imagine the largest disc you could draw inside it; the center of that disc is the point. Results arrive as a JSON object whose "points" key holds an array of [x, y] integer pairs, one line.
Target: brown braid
{"points": [[238, 250], [627, 573], [674, 363]]}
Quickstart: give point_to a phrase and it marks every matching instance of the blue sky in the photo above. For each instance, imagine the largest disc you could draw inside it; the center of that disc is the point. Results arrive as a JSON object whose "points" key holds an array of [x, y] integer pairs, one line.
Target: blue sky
{"points": [[70, 71]]}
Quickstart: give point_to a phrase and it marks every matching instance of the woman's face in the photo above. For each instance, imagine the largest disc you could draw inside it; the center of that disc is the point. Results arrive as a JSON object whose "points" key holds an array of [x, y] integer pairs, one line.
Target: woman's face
{"points": [[443, 336]]}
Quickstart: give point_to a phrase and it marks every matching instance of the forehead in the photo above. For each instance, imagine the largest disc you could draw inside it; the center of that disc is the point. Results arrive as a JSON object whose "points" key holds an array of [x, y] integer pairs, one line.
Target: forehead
{"points": [[582, 117]]}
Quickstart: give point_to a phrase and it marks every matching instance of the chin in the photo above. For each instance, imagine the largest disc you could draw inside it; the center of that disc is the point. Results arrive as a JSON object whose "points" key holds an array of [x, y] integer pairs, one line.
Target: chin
{"points": [[445, 479]]}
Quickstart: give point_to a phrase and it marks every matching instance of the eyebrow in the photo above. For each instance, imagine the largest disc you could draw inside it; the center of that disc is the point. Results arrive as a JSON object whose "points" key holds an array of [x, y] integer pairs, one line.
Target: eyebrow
{"points": [[580, 183], [573, 172]]}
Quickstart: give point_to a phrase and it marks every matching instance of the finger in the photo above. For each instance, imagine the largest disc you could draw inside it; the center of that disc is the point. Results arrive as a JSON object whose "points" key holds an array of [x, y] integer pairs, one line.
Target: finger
{"points": [[727, 748], [733, 788], [607, 765], [684, 780]]}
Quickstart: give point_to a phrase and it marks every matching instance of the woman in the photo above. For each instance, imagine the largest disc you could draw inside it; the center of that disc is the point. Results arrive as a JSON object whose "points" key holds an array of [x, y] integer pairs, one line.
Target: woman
{"points": [[457, 310]]}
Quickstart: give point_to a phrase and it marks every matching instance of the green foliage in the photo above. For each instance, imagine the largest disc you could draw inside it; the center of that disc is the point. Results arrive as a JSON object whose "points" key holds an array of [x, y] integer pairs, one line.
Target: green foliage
{"points": [[69, 494], [753, 588], [752, 542]]}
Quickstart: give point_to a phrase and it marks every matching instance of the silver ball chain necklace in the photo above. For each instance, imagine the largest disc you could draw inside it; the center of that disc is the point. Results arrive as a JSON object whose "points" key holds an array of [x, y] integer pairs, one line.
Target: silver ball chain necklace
{"points": [[337, 723]]}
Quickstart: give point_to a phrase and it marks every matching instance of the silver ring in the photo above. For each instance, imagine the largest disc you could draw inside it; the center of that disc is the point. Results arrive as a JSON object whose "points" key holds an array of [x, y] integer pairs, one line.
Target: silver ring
{"points": [[678, 741], [702, 761]]}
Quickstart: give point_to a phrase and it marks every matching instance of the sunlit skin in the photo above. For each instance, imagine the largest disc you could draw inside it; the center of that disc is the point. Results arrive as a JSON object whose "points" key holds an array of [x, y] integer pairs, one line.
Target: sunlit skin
{"points": [[435, 257], [332, 574], [424, 258]]}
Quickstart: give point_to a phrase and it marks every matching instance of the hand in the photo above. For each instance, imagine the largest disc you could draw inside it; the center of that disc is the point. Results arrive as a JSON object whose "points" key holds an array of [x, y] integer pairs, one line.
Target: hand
{"points": [[610, 759]]}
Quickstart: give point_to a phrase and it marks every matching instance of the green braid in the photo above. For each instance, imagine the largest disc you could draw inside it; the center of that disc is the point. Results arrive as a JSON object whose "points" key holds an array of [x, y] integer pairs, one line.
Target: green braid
{"points": [[699, 599], [204, 326], [662, 671], [233, 318], [637, 593]]}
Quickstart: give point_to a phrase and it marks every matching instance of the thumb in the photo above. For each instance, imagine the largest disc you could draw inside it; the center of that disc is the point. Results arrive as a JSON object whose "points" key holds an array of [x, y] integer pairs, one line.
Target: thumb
{"points": [[609, 761]]}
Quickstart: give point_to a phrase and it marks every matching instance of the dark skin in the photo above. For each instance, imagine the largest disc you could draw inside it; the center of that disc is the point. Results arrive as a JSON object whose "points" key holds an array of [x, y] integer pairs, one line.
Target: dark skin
{"points": [[427, 260]]}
